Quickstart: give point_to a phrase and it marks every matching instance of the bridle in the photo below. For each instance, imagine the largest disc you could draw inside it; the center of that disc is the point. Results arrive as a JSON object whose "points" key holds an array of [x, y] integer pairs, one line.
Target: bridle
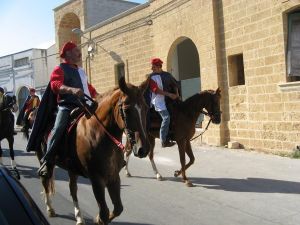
{"points": [[214, 113], [87, 110], [129, 133]]}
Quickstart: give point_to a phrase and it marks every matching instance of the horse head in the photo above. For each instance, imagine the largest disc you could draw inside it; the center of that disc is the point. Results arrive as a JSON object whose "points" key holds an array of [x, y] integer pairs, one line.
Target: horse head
{"points": [[213, 106], [133, 110], [10, 102]]}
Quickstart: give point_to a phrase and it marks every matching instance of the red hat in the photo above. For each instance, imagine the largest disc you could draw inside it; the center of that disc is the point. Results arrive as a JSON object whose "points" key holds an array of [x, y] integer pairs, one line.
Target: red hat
{"points": [[67, 47], [156, 62], [31, 90]]}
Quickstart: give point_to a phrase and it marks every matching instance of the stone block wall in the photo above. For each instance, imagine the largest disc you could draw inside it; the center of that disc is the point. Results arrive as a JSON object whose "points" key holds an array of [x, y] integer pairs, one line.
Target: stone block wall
{"points": [[262, 116], [260, 113]]}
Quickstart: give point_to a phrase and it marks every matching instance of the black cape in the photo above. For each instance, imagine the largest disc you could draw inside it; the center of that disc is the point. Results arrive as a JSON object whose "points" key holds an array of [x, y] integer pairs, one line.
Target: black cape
{"points": [[44, 116]]}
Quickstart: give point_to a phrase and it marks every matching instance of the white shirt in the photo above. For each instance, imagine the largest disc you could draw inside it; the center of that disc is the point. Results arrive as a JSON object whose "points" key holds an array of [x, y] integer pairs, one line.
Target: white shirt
{"points": [[83, 78], [156, 99]]}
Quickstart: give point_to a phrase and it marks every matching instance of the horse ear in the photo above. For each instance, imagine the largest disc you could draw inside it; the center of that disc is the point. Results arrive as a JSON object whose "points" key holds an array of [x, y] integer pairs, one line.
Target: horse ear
{"points": [[123, 85], [144, 85], [218, 91]]}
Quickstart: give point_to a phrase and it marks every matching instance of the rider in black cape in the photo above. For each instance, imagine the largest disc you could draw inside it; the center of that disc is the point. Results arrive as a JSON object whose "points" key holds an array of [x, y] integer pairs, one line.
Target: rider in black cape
{"points": [[45, 111]]}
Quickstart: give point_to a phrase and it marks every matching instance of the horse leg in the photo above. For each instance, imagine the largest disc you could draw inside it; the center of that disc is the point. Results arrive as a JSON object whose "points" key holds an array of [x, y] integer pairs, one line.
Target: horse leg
{"points": [[190, 154], [181, 147], [185, 147], [1, 162], [11, 152], [127, 155], [114, 188], [151, 154], [73, 192], [98, 186]]}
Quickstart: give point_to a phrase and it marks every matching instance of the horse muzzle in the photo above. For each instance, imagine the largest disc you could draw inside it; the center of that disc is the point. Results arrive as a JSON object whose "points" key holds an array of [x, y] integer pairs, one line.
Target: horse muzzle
{"points": [[140, 151]]}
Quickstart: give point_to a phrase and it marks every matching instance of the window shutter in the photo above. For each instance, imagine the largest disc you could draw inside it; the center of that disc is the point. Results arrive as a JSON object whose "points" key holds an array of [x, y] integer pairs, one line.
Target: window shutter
{"points": [[294, 45]]}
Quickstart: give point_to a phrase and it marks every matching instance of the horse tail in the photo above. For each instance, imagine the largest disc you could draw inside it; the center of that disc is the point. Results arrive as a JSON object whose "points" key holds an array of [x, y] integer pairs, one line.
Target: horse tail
{"points": [[51, 184]]}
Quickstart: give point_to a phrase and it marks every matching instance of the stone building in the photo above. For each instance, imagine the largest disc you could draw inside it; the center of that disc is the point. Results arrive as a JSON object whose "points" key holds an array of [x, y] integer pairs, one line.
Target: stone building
{"points": [[247, 48]]}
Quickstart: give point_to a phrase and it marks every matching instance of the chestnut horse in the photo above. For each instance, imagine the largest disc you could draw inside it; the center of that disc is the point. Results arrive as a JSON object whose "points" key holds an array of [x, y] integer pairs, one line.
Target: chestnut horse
{"points": [[95, 155], [7, 125], [182, 128]]}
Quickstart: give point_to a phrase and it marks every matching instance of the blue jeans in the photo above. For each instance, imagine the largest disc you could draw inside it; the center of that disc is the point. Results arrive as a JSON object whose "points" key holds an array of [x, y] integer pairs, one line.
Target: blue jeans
{"points": [[164, 128], [60, 126]]}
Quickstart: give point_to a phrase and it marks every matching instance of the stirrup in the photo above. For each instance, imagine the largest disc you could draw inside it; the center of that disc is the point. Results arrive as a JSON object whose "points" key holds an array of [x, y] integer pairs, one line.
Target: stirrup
{"points": [[44, 171]]}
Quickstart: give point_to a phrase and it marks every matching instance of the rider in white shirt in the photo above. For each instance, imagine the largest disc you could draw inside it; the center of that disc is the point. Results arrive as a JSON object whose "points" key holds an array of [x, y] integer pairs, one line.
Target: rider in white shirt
{"points": [[159, 86]]}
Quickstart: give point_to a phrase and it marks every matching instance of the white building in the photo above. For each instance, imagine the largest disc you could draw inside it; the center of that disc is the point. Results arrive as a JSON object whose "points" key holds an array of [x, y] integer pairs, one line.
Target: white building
{"points": [[29, 68]]}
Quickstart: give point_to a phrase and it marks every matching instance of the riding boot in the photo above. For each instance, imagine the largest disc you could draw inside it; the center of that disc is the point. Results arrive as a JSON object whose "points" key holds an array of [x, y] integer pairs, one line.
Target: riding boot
{"points": [[47, 162]]}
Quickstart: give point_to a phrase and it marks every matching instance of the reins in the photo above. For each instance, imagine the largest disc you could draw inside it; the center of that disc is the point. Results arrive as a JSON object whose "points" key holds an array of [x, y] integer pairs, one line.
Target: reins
{"points": [[206, 128], [116, 141]]}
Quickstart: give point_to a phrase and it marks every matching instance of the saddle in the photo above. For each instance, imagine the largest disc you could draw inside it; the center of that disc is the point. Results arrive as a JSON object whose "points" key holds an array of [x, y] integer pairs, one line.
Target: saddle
{"points": [[65, 153]]}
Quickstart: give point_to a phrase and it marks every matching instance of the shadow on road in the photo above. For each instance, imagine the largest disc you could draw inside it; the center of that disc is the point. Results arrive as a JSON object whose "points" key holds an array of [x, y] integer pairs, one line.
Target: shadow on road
{"points": [[90, 221], [250, 184]]}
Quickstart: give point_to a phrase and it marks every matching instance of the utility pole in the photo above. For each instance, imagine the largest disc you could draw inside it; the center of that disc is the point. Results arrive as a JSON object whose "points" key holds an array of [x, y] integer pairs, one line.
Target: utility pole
{"points": [[13, 74]]}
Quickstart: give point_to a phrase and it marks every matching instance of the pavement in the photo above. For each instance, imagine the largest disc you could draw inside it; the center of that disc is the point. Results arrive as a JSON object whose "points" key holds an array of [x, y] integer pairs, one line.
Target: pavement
{"points": [[231, 187]]}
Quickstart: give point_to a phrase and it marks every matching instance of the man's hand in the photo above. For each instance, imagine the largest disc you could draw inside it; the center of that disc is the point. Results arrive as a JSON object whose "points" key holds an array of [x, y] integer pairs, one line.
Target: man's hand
{"points": [[70, 90], [78, 92], [173, 96]]}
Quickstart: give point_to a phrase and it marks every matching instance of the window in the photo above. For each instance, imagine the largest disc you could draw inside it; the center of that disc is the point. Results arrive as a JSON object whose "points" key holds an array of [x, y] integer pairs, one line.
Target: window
{"points": [[293, 54], [119, 72], [236, 70], [21, 62]]}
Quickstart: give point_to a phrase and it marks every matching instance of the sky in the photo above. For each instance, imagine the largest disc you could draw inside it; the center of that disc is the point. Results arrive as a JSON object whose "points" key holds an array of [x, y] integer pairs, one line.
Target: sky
{"points": [[27, 24]]}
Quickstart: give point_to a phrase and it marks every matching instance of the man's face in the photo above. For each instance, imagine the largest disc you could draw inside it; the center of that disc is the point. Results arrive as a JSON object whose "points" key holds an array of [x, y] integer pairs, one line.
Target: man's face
{"points": [[74, 55], [156, 69], [32, 93]]}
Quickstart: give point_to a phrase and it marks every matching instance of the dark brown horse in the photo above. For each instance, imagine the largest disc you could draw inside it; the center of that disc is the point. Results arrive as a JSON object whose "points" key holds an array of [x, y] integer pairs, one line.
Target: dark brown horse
{"points": [[7, 125], [96, 156], [184, 116]]}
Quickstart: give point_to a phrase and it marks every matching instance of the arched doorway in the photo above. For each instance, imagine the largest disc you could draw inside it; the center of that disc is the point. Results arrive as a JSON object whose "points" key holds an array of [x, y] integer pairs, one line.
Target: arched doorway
{"points": [[183, 63], [22, 95], [68, 22]]}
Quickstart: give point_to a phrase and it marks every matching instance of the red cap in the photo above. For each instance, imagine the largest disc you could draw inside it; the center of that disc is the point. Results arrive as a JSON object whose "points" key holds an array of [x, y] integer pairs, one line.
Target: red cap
{"points": [[67, 47], [31, 90], [156, 62]]}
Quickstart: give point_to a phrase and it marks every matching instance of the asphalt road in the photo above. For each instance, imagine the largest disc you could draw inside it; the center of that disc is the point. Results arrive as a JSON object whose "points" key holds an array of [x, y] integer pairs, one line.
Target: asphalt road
{"points": [[231, 187]]}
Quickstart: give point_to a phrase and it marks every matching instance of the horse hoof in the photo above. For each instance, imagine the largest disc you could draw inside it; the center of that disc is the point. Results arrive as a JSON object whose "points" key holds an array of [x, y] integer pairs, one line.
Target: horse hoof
{"points": [[128, 175], [188, 183], [159, 177], [111, 216], [176, 173], [51, 213], [98, 221]]}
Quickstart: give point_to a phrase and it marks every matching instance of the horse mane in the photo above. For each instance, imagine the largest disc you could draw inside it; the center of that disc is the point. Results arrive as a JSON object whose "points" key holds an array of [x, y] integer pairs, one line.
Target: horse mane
{"points": [[101, 97], [194, 103], [104, 95]]}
